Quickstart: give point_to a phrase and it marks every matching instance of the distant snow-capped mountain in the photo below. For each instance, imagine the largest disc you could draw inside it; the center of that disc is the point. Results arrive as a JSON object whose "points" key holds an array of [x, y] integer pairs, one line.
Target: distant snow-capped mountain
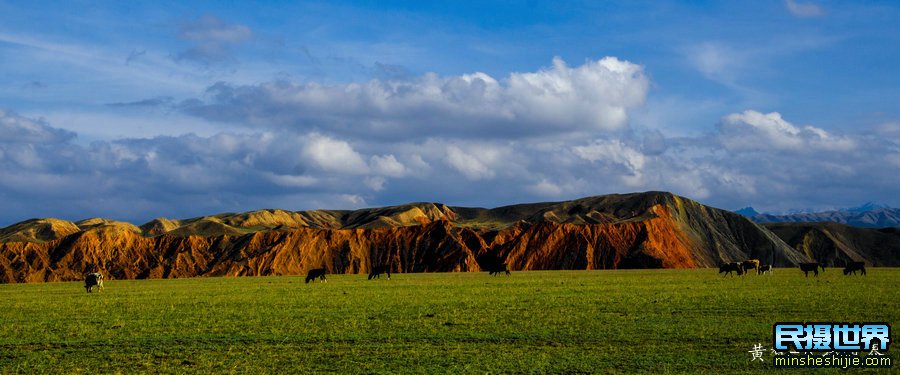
{"points": [[867, 215]]}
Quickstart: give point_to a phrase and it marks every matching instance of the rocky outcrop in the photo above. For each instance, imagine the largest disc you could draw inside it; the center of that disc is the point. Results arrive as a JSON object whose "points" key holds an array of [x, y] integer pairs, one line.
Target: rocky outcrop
{"points": [[673, 232], [436, 247], [645, 230]]}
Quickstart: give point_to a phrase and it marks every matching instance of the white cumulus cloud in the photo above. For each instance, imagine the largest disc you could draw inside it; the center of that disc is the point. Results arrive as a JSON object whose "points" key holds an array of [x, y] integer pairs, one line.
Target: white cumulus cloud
{"points": [[387, 165], [334, 155], [470, 165], [612, 152], [755, 131], [595, 96]]}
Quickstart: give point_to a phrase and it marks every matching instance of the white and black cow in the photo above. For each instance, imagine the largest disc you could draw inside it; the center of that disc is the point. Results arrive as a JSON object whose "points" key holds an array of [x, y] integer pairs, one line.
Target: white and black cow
{"points": [[93, 280]]}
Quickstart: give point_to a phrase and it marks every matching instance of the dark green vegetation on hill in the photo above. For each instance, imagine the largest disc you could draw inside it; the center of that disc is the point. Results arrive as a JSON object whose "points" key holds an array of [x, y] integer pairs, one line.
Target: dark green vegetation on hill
{"points": [[625, 321]]}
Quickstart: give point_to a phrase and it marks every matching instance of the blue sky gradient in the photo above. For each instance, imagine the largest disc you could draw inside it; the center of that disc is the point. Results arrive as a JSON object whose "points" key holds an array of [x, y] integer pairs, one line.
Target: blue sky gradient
{"points": [[133, 110]]}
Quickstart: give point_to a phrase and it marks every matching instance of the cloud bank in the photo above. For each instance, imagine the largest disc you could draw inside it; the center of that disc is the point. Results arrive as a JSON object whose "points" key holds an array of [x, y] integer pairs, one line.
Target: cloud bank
{"points": [[557, 133]]}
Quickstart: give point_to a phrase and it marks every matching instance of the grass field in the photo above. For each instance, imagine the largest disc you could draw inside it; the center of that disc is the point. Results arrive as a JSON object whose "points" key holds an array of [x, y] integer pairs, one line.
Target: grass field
{"points": [[627, 321]]}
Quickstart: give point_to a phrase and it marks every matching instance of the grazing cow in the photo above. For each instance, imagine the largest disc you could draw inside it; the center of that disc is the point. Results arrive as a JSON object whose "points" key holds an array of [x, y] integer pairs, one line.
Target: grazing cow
{"points": [[814, 267], [855, 266], [92, 280], [750, 264], [767, 268], [729, 267], [318, 273], [497, 269], [378, 270]]}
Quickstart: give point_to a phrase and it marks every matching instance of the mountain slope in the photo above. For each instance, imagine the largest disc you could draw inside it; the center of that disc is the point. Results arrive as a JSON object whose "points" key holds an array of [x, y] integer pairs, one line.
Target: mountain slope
{"points": [[641, 230], [836, 244], [38, 230], [652, 229]]}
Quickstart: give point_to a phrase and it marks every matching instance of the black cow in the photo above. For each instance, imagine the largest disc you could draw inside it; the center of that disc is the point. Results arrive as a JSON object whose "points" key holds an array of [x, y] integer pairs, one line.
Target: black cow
{"points": [[855, 266], [766, 268], [497, 269], [93, 280], [378, 270], [814, 267], [731, 267], [316, 273]]}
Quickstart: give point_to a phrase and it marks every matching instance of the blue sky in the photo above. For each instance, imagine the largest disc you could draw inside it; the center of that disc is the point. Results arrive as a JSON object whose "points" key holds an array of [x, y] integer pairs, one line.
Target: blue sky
{"points": [[133, 110]]}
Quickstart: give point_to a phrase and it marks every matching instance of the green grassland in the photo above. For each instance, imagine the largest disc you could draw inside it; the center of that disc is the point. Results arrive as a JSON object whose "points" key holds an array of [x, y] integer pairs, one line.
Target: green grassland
{"points": [[626, 321]]}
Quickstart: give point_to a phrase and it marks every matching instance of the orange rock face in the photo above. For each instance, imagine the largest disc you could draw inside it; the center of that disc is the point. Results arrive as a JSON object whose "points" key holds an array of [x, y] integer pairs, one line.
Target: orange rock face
{"points": [[435, 247], [652, 243], [653, 230]]}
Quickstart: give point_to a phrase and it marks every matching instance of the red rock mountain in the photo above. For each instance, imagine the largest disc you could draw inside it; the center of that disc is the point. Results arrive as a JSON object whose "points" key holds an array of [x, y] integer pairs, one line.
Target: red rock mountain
{"points": [[641, 230]]}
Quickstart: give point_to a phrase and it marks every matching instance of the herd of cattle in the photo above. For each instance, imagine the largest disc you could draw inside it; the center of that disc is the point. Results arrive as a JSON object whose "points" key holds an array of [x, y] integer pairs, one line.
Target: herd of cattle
{"points": [[377, 271], [742, 268], [95, 280]]}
